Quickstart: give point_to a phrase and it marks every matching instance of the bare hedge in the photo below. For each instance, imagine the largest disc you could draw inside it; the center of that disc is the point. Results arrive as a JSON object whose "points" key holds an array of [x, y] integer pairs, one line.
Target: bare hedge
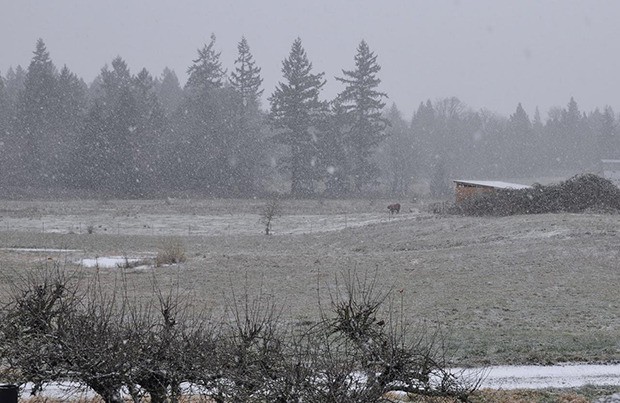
{"points": [[55, 329]]}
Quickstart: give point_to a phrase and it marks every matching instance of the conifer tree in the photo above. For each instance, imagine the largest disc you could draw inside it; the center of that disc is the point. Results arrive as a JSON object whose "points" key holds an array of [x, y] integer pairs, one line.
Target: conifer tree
{"points": [[245, 148], [206, 72], [169, 91], [519, 143], [37, 118], [295, 112], [204, 125], [246, 79], [362, 105]]}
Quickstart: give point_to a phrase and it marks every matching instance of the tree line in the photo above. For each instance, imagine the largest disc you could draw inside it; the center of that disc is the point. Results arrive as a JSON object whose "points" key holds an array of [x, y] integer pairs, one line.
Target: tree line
{"points": [[136, 135]]}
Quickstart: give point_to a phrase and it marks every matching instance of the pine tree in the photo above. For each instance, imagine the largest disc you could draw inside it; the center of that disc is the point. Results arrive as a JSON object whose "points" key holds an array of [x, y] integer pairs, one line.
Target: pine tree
{"points": [[607, 136], [295, 108], [169, 91], [573, 137], [423, 128], [399, 153], [519, 146], [70, 109], [37, 118], [362, 106], [202, 125], [246, 79], [245, 146], [206, 72]]}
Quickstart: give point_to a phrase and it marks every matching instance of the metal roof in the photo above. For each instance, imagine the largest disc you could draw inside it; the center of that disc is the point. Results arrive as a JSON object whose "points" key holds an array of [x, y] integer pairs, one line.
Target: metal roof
{"points": [[492, 184]]}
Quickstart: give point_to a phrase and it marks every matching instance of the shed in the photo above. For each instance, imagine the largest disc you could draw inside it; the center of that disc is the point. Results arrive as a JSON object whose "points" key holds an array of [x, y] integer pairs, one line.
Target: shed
{"points": [[468, 188]]}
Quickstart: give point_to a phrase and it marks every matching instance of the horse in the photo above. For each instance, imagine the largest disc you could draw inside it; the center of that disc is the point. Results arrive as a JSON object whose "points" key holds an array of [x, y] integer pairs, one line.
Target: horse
{"points": [[394, 208]]}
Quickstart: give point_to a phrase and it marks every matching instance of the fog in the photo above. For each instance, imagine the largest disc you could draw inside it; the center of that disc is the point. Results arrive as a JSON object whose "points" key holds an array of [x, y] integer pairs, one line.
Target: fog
{"points": [[141, 99], [487, 53]]}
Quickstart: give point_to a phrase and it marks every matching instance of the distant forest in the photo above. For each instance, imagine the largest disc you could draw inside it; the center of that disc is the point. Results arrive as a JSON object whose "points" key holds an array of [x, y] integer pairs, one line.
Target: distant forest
{"points": [[137, 135]]}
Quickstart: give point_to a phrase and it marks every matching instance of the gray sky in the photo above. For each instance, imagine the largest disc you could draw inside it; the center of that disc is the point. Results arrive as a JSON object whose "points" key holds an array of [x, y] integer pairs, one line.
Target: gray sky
{"points": [[489, 53]]}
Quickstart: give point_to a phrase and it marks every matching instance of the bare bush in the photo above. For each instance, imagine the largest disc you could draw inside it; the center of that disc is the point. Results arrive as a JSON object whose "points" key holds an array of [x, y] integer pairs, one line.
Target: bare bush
{"points": [[171, 251], [366, 338], [33, 322], [359, 349]]}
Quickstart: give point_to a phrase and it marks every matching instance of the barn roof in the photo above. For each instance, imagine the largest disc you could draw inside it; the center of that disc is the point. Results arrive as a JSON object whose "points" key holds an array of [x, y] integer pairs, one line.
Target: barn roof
{"points": [[492, 184]]}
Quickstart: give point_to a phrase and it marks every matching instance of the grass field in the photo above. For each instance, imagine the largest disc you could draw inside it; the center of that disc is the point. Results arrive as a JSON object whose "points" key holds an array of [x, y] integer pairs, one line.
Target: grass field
{"points": [[521, 289]]}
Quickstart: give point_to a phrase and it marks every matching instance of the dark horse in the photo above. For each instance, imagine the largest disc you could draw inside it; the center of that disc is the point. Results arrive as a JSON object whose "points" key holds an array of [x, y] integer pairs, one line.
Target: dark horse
{"points": [[394, 208]]}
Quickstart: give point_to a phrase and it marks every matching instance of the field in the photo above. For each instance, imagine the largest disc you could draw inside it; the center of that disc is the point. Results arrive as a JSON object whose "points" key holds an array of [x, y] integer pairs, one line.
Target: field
{"points": [[520, 289]]}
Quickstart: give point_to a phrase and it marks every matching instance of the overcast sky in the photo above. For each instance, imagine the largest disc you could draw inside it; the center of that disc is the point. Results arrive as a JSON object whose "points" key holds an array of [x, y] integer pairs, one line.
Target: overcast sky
{"points": [[489, 53]]}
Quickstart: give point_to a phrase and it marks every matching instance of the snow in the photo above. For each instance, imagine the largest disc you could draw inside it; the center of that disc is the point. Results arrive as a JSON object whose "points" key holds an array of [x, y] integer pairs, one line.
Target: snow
{"points": [[496, 377], [494, 184], [205, 225], [108, 262], [552, 376], [44, 250]]}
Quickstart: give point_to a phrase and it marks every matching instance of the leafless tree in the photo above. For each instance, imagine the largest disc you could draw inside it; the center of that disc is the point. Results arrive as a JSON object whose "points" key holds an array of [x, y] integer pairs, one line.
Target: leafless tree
{"points": [[32, 345], [269, 213]]}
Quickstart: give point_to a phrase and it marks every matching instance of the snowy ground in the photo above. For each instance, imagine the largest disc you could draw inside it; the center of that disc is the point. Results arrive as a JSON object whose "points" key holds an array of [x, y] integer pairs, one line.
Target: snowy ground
{"points": [[498, 377], [512, 290]]}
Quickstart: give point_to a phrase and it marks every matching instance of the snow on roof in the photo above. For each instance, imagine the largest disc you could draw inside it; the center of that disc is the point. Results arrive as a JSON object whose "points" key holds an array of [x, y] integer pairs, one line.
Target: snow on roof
{"points": [[493, 184]]}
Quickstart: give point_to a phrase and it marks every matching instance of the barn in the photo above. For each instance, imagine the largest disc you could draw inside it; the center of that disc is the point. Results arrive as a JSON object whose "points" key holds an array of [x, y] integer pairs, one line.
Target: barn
{"points": [[468, 188]]}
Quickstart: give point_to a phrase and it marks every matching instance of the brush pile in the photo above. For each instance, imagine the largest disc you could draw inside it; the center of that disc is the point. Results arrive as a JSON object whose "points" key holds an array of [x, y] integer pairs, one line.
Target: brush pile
{"points": [[587, 192]]}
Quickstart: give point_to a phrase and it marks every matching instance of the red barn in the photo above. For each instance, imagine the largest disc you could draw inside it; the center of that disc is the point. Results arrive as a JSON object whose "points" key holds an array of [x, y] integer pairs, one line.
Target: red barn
{"points": [[467, 188]]}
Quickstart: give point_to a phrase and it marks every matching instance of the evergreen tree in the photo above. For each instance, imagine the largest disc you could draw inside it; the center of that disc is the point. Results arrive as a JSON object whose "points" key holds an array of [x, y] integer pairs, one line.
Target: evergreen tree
{"points": [[12, 137], [114, 82], [362, 106], [608, 145], [69, 111], [245, 145], [169, 91], [246, 79], [110, 133], [14, 83], [572, 140], [423, 128], [151, 123], [399, 154], [295, 112], [206, 72], [519, 146], [332, 155], [91, 171], [37, 117], [205, 122]]}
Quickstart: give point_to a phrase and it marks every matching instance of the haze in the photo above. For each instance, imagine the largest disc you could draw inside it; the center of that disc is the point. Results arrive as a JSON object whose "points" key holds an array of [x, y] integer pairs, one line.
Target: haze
{"points": [[489, 54]]}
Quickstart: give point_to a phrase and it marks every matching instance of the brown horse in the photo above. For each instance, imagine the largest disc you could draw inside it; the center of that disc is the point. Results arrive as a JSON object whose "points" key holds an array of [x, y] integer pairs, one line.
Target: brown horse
{"points": [[394, 208]]}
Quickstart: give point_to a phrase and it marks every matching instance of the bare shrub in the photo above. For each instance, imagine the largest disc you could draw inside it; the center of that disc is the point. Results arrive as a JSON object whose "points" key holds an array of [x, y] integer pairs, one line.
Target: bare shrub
{"points": [[171, 345], [31, 337], [171, 251], [359, 349], [362, 336], [270, 211], [252, 349], [96, 351]]}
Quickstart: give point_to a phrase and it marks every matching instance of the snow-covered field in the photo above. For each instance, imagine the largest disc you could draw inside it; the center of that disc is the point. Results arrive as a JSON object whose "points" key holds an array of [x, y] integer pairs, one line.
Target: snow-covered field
{"points": [[512, 290]]}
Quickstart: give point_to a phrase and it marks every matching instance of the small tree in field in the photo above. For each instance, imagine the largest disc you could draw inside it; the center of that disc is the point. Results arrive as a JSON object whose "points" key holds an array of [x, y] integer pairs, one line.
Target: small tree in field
{"points": [[269, 213]]}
